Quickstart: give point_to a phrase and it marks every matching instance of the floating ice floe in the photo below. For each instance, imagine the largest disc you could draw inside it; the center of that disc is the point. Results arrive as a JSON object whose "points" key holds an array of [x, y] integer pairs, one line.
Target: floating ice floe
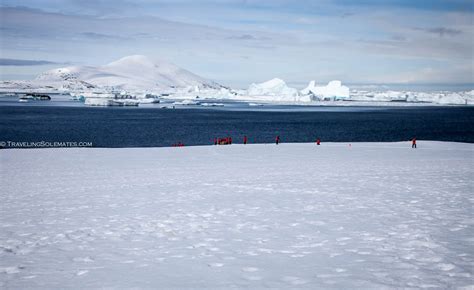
{"points": [[187, 103], [212, 104], [101, 102], [440, 97]]}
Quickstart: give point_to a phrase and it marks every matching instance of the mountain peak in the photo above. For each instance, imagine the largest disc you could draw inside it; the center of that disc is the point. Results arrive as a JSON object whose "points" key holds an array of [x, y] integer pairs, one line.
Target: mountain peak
{"points": [[133, 60], [134, 72]]}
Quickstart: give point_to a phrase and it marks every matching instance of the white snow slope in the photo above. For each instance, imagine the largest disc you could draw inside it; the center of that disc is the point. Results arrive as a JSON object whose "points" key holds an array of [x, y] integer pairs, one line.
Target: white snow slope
{"points": [[372, 215], [136, 72]]}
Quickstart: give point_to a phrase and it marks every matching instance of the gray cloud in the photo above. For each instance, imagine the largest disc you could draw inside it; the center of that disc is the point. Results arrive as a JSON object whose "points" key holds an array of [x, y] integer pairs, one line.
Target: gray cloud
{"points": [[347, 14], [97, 36], [244, 37], [398, 37], [248, 37], [441, 31], [24, 62]]}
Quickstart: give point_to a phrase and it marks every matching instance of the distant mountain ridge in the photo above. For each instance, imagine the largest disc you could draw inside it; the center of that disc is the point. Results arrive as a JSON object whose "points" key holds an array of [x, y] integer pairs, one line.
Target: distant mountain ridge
{"points": [[136, 72]]}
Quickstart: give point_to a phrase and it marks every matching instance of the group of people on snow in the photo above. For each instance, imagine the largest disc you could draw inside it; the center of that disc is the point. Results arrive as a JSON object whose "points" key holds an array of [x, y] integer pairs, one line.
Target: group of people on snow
{"points": [[228, 141], [223, 141]]}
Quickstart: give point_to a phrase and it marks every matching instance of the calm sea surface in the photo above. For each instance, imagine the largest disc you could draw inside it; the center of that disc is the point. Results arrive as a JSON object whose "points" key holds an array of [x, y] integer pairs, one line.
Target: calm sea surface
{"points": [[152, 126]]}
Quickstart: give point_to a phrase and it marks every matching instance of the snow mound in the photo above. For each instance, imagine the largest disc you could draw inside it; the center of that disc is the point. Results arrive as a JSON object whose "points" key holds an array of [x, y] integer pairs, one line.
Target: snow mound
{"points": [[136, 72], [333, 91]]}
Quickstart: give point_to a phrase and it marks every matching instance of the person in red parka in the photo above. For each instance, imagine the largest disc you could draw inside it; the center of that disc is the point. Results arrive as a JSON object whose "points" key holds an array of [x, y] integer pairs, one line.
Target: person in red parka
{"points": [[318, 142], [245, 140], [277, 140], [413, 143]]}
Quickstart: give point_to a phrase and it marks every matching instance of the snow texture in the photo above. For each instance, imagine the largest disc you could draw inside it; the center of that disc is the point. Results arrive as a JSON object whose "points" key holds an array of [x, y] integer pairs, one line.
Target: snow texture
{"points": [[369, 215]]}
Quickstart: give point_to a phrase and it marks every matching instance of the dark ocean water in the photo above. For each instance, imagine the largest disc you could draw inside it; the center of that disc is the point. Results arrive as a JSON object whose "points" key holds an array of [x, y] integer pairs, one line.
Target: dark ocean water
{"points": [[145, 127]]}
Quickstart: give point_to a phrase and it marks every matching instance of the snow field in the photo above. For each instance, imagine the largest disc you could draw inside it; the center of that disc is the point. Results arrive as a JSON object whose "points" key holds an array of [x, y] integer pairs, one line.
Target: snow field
{"points": [[293, 215]]}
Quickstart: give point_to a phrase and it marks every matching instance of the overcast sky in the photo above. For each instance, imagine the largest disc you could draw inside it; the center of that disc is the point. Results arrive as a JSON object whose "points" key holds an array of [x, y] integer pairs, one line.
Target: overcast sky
{"points": [[237, 42]]}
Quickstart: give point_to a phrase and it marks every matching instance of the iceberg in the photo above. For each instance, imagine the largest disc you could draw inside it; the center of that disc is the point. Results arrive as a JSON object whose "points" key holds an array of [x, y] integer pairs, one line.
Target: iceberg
{"points": [[113, 99], [333, 91], [274, 90], [457, 98], [102, 102], [411, 97], [212, 104], [273, 87], [187, 103], [200, 93]]}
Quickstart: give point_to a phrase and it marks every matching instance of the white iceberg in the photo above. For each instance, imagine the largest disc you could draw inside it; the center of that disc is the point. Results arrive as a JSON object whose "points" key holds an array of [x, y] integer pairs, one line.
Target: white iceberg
{"points": [[273, 87], [333, 91], [212, 104], [102, 102], [274, 90], [200, 93], [411, 97], [187, 103]]}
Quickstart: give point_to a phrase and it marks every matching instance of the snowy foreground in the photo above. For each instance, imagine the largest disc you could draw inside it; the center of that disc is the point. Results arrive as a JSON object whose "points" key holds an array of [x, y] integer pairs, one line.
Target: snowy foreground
{"points": [[294, 215]]}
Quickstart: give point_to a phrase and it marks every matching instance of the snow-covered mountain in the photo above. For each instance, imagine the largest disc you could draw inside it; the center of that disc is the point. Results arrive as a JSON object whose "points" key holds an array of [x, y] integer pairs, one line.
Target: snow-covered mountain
{"points": [[136, 72]]}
